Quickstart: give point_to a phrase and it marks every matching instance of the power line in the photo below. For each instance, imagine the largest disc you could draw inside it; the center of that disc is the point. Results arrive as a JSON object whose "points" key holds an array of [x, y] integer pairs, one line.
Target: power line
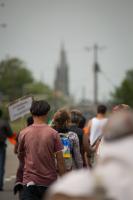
{"points": [[108, 79]]}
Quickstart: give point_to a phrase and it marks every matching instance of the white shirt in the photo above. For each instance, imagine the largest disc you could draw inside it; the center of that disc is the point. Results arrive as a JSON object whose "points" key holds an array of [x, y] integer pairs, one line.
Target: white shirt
{"points": [[96, 129]]}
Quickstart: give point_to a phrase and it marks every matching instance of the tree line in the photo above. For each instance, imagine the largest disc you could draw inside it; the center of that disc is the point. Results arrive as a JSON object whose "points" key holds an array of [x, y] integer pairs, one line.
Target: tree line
{"points": [[16, 80]]}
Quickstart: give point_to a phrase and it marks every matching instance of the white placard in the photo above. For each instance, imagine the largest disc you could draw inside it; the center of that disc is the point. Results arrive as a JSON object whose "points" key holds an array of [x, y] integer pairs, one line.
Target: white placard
{"points": [[19, 108]]}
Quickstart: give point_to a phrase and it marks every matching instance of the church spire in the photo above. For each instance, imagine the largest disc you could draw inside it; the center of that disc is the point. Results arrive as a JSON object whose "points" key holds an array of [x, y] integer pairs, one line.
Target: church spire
{"points": [[63, 59], [62, 79]]}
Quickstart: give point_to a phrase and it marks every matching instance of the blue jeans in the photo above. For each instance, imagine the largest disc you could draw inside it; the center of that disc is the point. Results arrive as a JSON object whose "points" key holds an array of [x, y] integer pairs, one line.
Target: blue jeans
{"points": [[2, 165]]}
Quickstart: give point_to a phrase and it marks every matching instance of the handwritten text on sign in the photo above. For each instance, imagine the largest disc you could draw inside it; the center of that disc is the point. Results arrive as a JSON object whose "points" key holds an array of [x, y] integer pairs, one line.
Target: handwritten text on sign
{"points": [[20, 108]]}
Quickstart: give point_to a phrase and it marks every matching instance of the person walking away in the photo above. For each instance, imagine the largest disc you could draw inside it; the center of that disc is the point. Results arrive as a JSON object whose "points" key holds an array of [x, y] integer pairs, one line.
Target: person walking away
{"points": [[75, 118], [5, 132], [70, 141], [82, 125], [92, 140], [39, 146]]}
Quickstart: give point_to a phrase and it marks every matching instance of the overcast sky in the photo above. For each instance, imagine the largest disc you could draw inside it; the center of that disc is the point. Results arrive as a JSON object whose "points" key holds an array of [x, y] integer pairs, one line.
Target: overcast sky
{"points": [[36, 29]]}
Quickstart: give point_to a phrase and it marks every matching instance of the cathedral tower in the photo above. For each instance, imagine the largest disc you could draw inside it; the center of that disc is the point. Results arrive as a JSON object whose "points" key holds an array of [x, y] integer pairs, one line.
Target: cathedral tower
{"points": [[61, 77]]}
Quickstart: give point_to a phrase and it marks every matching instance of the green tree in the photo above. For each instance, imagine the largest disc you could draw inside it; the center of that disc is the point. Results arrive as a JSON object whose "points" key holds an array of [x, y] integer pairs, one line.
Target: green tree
{"points": [[38, 88], [13, 77], [124, 93]]}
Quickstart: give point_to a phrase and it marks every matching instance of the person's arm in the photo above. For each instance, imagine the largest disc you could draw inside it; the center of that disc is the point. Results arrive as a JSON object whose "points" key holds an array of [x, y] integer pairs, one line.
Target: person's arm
{"points": [[21, 149], [60, 163], [86, 142], [86, 145], [58, 147], [16, 145]]}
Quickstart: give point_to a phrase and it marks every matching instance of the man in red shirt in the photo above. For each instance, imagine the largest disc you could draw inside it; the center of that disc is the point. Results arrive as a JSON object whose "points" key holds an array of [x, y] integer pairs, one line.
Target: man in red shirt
{"points": [[39, 147]]}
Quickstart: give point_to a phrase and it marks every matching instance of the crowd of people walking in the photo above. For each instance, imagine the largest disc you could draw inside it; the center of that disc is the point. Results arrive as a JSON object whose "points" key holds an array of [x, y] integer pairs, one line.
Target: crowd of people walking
{"points": [[72, 158]]}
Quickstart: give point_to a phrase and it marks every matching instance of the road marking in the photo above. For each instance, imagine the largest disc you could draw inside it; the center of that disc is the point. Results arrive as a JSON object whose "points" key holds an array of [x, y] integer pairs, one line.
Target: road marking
{"points": [[10, 178]]}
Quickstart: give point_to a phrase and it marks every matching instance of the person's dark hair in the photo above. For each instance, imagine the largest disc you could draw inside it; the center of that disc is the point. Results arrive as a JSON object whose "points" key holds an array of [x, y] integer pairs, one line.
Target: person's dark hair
{"points": [[101, 109], [29, 120], [61, 118], [82, 122], [75, 116], [39, 108]]}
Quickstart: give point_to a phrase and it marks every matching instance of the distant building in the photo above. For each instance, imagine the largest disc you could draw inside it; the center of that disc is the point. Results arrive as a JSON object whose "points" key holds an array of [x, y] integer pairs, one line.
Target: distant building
{"points": [[61, 76]]}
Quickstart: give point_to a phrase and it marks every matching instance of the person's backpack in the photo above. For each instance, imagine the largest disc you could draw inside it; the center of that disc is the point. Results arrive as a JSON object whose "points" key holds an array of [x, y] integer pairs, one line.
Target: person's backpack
{"points": [[67, 150]]}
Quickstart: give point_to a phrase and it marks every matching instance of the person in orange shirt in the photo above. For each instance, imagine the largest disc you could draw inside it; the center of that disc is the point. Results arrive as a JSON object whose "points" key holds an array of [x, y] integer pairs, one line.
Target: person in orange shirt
{"points": [[85, 129], [82, 125]]}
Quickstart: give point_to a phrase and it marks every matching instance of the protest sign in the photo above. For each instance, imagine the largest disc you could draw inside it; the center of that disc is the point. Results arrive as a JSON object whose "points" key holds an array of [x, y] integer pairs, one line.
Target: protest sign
{"points": [[20, 107]]}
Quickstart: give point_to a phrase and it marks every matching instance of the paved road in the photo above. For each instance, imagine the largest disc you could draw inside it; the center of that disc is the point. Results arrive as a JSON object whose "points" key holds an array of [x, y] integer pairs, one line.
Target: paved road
{"points": [[11, 167]]}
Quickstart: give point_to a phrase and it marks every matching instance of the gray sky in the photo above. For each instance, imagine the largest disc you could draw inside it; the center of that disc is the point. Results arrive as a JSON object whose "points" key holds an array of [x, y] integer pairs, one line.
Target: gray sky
{"points": [[36, 29]]}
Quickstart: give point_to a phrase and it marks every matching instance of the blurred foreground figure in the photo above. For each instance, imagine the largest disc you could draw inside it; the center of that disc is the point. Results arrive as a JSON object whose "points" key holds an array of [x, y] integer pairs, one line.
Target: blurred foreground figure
{"points": [[116, 166], [39, 147], [112, 179], [5, 132], [78, 185]]}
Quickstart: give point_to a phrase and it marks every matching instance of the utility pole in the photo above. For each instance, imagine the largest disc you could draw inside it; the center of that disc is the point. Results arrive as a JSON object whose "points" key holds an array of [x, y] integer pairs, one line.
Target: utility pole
{"points": [[96, 70]]}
